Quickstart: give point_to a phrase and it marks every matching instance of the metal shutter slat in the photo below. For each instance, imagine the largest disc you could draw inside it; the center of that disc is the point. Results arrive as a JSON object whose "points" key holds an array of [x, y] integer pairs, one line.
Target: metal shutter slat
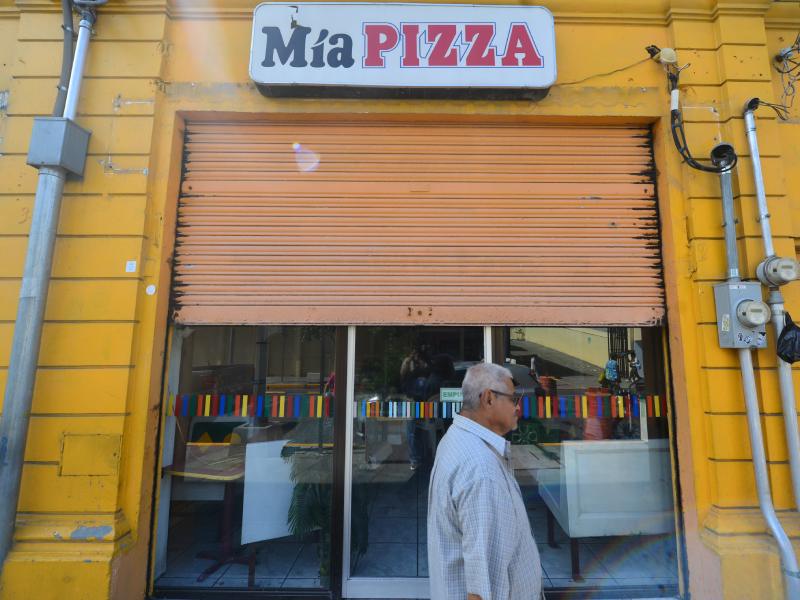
{"points": [[403, 222]]}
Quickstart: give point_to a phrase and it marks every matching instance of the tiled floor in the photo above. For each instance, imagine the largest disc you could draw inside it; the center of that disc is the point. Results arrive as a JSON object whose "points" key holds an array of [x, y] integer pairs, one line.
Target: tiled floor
{"points": [[397, 548], [279, 564]]}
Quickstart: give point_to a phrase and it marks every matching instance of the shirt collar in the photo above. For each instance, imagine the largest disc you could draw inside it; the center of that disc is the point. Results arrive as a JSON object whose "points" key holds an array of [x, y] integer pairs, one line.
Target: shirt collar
{"points": [[500, 444]]}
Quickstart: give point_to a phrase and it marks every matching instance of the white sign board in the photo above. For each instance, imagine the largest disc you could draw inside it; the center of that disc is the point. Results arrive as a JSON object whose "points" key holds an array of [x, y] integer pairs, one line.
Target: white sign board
{"points": [[403, 45], [268, 492]]}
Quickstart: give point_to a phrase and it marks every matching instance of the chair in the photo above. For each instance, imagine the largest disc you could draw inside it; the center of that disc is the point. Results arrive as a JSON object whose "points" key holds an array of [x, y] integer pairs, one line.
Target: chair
{"points": [[605, 488]]}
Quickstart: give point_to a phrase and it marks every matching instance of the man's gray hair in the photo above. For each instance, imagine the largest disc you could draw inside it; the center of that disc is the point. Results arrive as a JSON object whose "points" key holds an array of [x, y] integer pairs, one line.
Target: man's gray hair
{"points": [[481, 377]]}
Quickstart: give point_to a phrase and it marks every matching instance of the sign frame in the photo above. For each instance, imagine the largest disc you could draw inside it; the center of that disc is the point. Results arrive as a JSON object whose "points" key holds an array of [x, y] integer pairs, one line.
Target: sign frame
{"points": [[347, 49]]}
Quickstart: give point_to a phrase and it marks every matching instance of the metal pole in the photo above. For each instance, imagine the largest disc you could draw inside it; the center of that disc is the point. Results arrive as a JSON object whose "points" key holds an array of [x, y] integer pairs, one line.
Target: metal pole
{"points": [[30, 315], [25, 347], [775, 302], [758, 178], [721, 156], [729, 223], [788, 404], [78, 63], [791, 574]]}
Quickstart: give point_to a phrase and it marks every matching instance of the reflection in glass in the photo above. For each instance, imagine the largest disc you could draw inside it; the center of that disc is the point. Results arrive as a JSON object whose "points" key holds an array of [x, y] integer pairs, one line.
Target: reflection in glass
{"points": [[591, 455], [250, 472], [407, 388], [306, 159]]}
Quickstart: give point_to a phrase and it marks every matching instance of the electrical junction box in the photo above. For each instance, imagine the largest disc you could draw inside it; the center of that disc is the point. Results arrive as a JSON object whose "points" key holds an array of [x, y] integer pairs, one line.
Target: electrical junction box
{"points": [[60, 143], [742, 316]]}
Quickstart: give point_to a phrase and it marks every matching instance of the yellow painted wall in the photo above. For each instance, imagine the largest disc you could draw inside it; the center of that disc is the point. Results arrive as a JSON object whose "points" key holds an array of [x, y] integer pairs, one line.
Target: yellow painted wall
{"points": [[583, 343], [154, 62]]}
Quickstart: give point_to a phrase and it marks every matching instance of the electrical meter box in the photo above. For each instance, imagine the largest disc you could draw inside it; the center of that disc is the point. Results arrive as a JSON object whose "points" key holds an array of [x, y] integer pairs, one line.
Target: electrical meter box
{"points": [[58, 142], [742, 316]]}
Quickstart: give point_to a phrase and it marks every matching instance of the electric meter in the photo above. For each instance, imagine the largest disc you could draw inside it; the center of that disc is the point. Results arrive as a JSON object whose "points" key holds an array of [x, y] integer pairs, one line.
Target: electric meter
{"points": [[776, 271], [753, 313], [741, 315]]}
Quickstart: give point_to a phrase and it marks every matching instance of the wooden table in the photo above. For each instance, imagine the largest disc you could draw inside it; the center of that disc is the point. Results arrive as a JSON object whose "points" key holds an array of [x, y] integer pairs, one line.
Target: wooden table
{"points": [[218, 463]]}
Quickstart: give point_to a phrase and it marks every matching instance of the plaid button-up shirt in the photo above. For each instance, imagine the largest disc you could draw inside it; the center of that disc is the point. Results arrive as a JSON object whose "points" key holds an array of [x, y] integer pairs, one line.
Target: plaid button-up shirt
{"points": [[479, 536]]}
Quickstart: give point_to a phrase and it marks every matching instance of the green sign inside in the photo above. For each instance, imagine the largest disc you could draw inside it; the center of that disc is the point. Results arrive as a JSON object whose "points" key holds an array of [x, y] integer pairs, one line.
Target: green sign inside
{"points": [[450, 395]]}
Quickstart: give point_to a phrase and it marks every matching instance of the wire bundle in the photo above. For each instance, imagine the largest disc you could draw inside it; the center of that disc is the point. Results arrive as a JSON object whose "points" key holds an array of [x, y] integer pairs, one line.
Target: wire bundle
{"points": [[679, 133], [789, 68]]}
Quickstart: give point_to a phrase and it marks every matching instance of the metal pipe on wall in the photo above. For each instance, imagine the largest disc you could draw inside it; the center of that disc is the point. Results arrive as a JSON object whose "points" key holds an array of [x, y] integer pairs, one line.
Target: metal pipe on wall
{"points": [[30, 313], [791, 577], [729, 225], [721, 156], [78, 65], [758, 177], [775, 302]]}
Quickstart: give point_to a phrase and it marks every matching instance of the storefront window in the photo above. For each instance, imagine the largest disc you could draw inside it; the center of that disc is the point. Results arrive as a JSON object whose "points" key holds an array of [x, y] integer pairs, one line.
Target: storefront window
{"points": [[407, 389], [246, 487], [591, 454]]}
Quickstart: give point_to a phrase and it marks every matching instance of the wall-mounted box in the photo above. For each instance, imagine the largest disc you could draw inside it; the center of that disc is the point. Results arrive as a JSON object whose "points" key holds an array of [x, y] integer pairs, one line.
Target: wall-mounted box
{"points": [[731, 330], [58, 142]]}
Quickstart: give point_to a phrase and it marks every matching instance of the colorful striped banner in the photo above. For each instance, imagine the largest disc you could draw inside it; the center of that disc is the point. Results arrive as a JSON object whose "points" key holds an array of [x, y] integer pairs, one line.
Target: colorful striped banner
{"points": [[541, 407], [296, 406], [407, 410], [246, 405]]}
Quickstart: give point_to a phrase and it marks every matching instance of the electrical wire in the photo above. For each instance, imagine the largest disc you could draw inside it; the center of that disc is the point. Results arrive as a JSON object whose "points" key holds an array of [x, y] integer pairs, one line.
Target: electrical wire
{"points": [[781, 110], [789, 68], [679, 132], [594, 75], [66, 58]]}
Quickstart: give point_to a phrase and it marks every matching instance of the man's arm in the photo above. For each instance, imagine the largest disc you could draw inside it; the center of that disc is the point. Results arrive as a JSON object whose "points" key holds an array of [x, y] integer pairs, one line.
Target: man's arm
{"points": [[485, 512]]}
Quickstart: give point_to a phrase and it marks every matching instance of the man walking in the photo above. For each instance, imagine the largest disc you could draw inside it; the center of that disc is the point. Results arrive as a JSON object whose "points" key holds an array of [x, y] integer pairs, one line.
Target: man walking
{"points": [[480, 545]]}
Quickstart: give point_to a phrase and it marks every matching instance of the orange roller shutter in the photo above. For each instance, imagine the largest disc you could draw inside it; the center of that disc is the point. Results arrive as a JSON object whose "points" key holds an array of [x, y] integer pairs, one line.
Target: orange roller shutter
{"points": [[410, 222]]}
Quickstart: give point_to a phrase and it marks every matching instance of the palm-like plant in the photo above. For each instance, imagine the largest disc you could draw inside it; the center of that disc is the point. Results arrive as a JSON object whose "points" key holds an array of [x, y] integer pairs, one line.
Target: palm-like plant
{"points": [[310, 507]]}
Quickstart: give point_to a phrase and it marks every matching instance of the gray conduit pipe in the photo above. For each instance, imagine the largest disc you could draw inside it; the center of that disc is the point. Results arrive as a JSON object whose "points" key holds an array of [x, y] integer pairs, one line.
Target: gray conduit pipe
{"points": [[30, 313], [775, 302], [722, 155]]}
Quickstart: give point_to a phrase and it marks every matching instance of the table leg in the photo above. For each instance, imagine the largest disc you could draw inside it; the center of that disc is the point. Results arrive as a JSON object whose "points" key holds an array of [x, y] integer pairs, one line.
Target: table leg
{"points": [[551, 530], [576, 560], [227, 556], [251, 569]]}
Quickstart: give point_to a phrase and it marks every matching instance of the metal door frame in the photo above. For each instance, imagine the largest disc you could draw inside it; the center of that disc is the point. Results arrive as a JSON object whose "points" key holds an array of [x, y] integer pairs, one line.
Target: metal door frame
{"points": [[375, 587]]}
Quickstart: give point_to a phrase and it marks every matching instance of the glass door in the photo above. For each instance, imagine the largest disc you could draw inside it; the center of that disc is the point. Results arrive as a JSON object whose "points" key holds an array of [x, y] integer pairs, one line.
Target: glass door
{"points": [[406, 387], [247, 471], [591, 453]]}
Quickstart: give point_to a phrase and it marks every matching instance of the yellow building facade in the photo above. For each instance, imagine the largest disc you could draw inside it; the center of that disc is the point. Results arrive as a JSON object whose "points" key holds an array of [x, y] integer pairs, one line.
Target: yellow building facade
{"points": [[84, 527]]}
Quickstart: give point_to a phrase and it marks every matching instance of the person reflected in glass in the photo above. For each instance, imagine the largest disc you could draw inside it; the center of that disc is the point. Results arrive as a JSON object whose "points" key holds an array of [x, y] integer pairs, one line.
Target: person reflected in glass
{"points": [[442, 372], [480, 545], [414, 372], [426, 432]]}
